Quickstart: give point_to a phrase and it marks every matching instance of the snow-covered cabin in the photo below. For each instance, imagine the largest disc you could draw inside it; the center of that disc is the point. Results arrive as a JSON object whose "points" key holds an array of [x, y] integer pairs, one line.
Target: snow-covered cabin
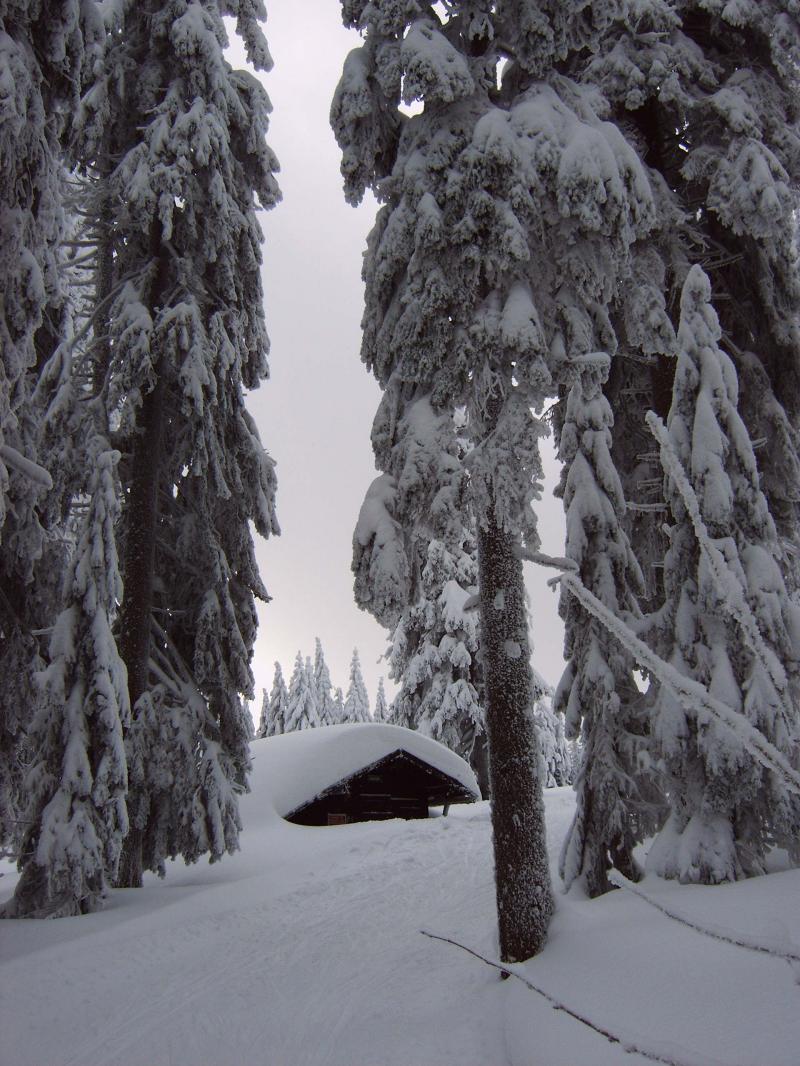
{"points": [[361, 772]]}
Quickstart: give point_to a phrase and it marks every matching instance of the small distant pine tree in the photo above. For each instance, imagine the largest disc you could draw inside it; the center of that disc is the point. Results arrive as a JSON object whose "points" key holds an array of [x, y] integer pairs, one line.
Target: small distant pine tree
{"points": [[338, 707], [301, 706], [727, 622], [247, 716], [312, 686], [381, 712], [356, 704], [550, 734], [264, 719], [278, 704], [322, 686]]}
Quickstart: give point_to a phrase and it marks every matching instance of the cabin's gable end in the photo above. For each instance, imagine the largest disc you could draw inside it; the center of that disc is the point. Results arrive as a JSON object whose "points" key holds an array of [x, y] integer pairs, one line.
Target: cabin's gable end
{"points": [[398, 785]]}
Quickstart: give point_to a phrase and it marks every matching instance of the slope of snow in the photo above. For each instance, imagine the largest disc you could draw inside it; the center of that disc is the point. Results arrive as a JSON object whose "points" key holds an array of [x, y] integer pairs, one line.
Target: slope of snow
{"points": [[298, 766], [304, 950]]}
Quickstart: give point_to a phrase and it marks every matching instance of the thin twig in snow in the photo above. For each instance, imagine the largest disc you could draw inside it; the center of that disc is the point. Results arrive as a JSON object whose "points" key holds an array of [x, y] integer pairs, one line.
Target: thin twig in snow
{"points": [[792, 957], [628, 1045]]}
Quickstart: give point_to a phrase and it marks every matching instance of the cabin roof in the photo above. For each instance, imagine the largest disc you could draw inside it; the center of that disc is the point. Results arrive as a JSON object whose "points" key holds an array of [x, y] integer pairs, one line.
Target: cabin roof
{"points": [[307, 763]]}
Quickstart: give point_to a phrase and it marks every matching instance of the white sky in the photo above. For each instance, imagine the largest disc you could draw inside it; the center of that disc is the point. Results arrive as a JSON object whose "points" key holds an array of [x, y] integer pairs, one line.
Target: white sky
{"points": [[315, 412]]}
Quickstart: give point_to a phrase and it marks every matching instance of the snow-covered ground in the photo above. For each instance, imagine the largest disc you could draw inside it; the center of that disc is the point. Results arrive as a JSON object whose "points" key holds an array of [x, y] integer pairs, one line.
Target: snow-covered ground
{"points": [[305, 950]]}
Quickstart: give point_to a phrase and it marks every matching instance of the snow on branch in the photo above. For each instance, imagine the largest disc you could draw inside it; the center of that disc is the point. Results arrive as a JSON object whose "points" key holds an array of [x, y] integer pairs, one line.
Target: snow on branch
{"points": [[665, 1053], [32, 471], [734, 601], [714, 931], [693, 697], [554, 562]]}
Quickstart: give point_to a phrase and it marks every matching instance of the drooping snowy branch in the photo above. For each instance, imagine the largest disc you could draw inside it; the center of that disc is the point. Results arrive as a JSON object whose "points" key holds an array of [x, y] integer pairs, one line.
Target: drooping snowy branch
{"points": [[728, 584], [696, 700]]}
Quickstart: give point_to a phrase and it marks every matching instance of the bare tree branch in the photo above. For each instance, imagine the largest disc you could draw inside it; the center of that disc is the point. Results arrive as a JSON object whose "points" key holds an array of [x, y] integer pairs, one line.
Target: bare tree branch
{"points": [[750, 943], [631, 1046]]}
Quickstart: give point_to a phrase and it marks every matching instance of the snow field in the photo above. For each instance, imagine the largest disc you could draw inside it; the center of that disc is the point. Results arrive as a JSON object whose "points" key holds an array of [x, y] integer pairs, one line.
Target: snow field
{"points": [[304, 950]]}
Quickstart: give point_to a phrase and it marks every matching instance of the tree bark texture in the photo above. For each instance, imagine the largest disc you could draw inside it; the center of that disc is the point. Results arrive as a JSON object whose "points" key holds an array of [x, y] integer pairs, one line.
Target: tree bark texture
{"points": [[522, 873], [141, 510]]}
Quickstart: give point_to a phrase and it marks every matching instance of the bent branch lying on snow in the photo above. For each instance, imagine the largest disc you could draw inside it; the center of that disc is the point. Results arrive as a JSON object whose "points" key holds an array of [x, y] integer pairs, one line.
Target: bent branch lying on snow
{"points": [[665, 1054], [715, 932]]}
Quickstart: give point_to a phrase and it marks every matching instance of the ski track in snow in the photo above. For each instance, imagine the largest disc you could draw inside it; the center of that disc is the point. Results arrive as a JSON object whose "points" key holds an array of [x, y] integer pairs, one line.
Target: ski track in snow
{"points": [[305, 950]]}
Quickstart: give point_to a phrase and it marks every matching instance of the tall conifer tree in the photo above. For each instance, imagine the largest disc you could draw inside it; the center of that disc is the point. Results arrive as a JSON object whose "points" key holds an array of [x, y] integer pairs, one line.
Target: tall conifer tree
{"points": [[187, 337], [76, 811], [598, 692], [506, 232], [710, 91], [727, 622], [42, 55]]}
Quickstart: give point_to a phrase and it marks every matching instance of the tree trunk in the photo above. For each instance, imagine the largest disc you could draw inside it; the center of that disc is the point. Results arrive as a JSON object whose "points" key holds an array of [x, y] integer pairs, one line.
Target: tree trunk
{"points": [[141, 511], [522, 874], [479, 761], [139, 573]]}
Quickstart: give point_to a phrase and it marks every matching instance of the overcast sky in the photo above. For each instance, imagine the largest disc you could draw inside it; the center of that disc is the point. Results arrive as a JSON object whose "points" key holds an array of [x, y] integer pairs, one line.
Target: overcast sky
{"points": [[315, 412]]}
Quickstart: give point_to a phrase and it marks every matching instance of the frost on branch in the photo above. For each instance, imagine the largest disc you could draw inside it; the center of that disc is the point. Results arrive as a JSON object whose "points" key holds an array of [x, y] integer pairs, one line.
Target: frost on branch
{"points": [[432, 68]]}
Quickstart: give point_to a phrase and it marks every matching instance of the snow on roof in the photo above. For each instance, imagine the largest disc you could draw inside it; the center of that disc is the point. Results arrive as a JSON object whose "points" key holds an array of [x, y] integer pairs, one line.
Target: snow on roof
{"points": [[296, 767]]}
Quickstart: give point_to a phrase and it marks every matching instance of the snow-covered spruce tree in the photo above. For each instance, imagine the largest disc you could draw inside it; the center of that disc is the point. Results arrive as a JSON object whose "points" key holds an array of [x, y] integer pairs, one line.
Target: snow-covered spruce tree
{"points": [[187, 337], [42, 51], [505, 235], [416, 568], [550, 731], [264, 717], [721, 570], [356, 702], [710, 90], [434, 652], [249, 724], [76, 786], [301, 704], [597, 692], [278, 702], [338, 707], [381, 712], [322, 686]]}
